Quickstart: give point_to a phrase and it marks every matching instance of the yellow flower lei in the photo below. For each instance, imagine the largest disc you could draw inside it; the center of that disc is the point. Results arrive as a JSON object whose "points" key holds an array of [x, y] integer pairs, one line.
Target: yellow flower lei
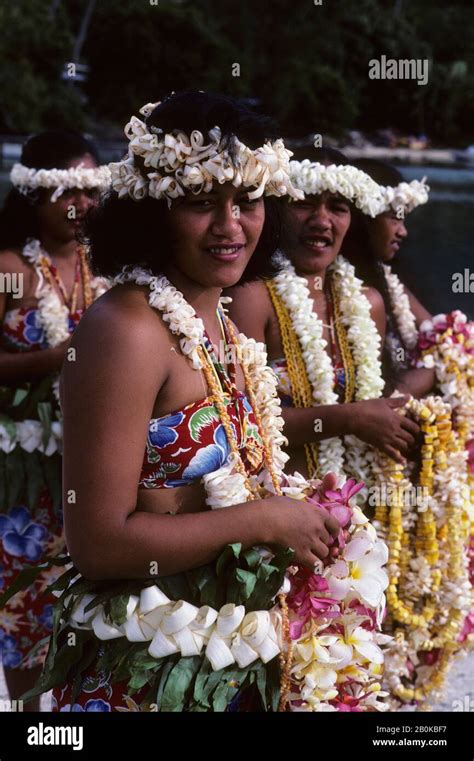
{"points": [[418, 619]]}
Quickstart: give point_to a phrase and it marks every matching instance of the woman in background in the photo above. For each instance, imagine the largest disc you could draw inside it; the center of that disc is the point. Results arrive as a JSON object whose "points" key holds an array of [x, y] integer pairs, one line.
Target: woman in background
{"points": [[55, 184]]}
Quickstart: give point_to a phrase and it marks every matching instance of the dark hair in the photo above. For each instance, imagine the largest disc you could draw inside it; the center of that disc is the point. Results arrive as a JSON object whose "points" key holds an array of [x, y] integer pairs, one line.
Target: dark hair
{"points": [[46, 150], [321, 155], [358, 249], [124, 231], [383, 173]]}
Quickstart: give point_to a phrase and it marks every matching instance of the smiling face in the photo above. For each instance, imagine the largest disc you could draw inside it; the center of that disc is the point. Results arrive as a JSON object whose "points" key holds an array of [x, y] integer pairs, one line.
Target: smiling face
{"points": [[317, 226], [53, 218], [213, 235], [386, 233]]}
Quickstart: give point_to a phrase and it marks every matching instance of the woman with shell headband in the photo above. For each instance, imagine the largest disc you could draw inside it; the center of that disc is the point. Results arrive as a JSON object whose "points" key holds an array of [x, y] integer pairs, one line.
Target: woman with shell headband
{"points": [[323, 329], [171, 414], [47, 289]]}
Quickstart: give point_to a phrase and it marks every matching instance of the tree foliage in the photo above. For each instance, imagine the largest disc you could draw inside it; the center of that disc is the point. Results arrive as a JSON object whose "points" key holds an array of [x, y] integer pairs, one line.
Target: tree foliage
{"points": [[306, 64]]}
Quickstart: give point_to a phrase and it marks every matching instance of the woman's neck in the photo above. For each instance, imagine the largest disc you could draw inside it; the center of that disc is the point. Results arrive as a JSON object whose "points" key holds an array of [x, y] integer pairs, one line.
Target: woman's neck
{"points": [[58, 249], [204, 300]]}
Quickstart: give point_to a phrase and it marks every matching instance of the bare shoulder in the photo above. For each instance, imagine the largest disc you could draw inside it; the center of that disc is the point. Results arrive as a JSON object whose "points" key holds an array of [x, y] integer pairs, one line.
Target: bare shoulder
{"points": [[121, 315], [375, 298], [119, 335]]}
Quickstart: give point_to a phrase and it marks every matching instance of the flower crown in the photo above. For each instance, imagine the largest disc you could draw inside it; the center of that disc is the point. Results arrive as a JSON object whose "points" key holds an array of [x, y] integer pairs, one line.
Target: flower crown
{"points": [[175, 162], [26, 178], [314, 178], [406, 196]]}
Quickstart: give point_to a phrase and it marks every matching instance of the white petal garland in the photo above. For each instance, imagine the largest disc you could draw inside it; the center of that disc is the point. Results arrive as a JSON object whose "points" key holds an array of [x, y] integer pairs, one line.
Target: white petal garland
{"points": [[358, 187], [177, 162], [405, 197], [400, 304], [26, 178], [364, 341]]}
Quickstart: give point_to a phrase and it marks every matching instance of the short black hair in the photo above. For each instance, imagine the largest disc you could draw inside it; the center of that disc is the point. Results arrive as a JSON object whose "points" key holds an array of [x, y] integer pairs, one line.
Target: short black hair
{"points": [[123, 231], [383, 173], [54, 149]]}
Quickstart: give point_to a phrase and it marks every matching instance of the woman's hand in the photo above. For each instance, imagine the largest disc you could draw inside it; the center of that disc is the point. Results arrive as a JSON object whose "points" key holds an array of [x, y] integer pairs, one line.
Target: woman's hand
{"points": [[377, 422], [308, 529]]}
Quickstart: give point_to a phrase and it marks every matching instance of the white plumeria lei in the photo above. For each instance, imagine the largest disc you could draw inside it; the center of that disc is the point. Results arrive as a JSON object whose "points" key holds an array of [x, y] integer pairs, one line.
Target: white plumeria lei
{"points": [[400, 303], [177, 162], [406, 196], [53, 316], [364, 341], [358, 187], [230, 634], [26, 178]]}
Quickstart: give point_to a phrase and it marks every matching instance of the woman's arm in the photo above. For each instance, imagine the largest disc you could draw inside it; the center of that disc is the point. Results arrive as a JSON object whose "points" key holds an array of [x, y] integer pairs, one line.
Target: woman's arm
{"points": [[420, 312], [417, 381], [31, 365]]}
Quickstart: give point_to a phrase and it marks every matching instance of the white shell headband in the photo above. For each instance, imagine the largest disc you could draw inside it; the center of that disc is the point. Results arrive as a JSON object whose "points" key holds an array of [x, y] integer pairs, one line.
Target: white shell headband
{"points": [[26, 178], [406, 196], [314, 178], [177, 162]]}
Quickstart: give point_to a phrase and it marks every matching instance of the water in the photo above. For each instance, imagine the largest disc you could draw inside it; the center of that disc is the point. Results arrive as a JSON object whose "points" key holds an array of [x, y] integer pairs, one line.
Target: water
{"points": [[440, 237]]}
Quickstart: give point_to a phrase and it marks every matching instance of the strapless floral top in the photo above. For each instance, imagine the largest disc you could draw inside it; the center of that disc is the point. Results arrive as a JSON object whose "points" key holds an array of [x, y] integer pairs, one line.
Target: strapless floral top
{"points": [[183, 446], [22, 331]]}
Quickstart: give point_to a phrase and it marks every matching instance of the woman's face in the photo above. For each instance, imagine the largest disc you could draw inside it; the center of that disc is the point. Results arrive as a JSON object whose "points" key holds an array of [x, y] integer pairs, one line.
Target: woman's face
{"points": [[386, 233], [213, 235], [317, 227], [62, 219]]}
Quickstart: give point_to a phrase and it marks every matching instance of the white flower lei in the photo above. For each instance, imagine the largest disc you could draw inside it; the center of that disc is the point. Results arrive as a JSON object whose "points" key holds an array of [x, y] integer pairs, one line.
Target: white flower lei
{"points": [[400, 303], [178, 162], [52, 314], [314, 178], [364, 341], [26, 178]]}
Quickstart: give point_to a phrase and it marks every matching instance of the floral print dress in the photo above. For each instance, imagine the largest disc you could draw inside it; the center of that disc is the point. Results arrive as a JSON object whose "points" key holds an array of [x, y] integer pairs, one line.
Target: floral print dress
{"points": [[27, 536]]}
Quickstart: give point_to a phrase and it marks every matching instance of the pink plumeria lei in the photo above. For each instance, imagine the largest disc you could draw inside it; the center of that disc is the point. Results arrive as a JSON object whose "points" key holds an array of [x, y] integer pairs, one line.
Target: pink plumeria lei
{"points": [[336, 613]]}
